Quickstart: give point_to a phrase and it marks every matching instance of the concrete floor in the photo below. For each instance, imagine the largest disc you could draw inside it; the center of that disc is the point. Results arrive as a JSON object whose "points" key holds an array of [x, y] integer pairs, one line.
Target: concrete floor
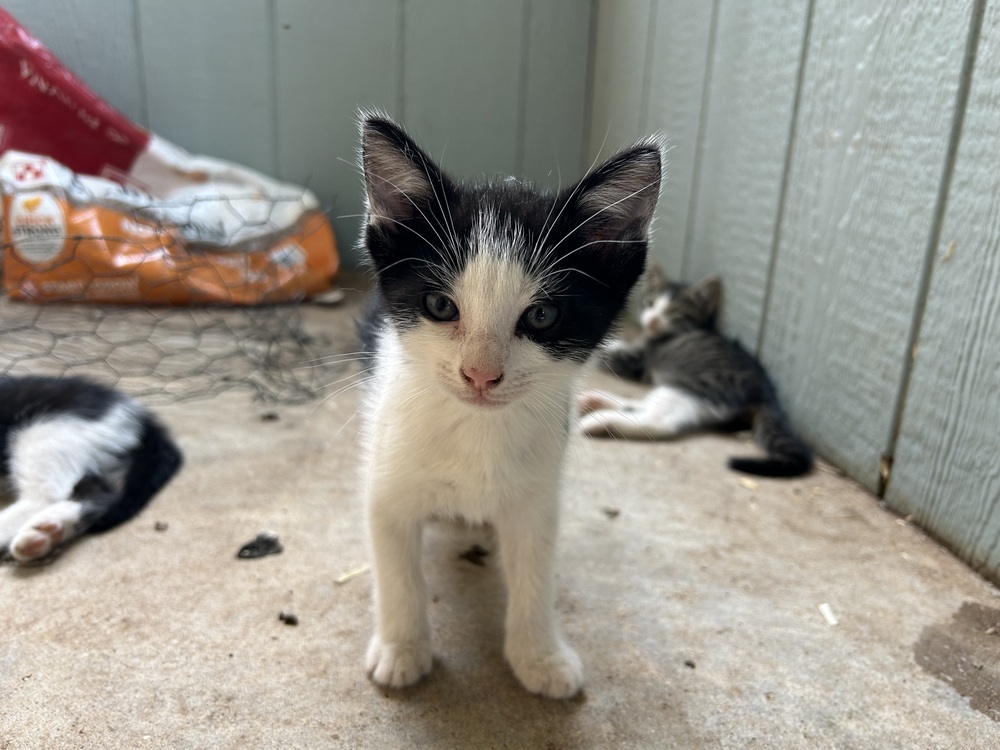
{"points": [[692, 594]]}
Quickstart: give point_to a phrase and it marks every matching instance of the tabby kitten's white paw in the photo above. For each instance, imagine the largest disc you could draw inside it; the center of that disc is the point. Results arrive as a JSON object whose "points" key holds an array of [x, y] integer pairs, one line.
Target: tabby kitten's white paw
{"points": [[398, 664], [558, 674], [591, 401], [597, 423]]}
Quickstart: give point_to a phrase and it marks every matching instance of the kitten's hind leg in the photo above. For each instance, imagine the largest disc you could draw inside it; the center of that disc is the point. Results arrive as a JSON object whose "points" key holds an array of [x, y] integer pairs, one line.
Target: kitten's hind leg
{"points": [[590, 401], [664, 413]]}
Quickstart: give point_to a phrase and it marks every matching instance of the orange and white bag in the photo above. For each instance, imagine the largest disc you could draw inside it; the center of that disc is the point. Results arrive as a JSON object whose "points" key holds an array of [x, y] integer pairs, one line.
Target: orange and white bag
{"points": [[95, 208]]}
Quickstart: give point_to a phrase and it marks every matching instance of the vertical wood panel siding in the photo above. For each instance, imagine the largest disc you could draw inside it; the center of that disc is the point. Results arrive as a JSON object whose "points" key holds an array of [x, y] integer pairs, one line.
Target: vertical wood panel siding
{"points": [[825, 149], [331, 58], [756, 63], [620, 88], [679, 49], [555, 91], [461, 82], [872, 135], [947, 468], [649, 76], [209, 70]]}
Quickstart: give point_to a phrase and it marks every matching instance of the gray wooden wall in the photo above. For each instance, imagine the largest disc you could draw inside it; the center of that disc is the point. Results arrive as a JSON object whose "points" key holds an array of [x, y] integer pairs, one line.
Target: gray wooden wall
{"points": [[836, 162], [839, 164]]}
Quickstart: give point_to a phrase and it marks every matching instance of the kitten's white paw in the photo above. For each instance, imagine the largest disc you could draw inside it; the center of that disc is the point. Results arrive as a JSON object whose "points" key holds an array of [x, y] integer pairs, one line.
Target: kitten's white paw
{"points": [[595, 424], [398, 664], [557, 674], [589, 401], [37, 540]]}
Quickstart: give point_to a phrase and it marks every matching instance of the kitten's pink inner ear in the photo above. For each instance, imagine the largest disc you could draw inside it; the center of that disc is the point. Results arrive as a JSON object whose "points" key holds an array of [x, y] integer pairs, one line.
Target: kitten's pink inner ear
{"points": [[619, 197], [396, 184]]}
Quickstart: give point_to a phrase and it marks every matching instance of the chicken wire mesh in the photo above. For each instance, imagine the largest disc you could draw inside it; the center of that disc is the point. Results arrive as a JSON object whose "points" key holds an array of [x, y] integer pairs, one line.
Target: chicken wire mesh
{"points": [[166, 354], [163, 354]]}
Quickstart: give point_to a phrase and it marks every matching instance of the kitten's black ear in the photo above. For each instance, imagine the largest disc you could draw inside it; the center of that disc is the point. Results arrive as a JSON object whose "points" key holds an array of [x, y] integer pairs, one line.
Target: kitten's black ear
{"points": [[706, 295], [400, 179], [618, 198], [611, 210]]}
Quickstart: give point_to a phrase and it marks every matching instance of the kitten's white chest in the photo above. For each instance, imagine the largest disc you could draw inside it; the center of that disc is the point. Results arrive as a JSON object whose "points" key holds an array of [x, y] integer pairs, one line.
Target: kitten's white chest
{"points": [[438, 456]]}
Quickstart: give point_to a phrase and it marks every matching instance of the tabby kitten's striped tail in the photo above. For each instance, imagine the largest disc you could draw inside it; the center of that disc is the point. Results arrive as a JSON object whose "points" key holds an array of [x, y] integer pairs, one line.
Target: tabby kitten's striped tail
{"points": [[787, 455]]}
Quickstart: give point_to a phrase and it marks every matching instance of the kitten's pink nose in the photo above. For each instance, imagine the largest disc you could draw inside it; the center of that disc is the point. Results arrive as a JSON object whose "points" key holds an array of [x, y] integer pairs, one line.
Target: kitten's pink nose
{"points": [[482, 380]]}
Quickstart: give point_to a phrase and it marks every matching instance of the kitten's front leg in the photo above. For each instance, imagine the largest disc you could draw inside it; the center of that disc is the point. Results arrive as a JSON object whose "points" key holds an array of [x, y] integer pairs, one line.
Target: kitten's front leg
{"points": [[536, 652], [399, 653]]}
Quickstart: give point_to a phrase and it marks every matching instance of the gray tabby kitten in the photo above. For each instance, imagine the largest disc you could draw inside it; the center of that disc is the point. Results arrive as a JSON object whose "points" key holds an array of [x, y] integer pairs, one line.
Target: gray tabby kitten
{"points": [[700, 379]]}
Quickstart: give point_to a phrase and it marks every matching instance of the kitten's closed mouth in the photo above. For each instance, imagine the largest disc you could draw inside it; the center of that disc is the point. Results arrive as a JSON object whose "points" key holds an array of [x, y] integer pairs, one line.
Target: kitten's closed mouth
{"points": [[478, 399]]}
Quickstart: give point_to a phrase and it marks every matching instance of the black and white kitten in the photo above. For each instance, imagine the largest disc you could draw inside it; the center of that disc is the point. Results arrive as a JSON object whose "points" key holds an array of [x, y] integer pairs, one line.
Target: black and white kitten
{"points": [[489, 300], [78, 457], [700, 379]]}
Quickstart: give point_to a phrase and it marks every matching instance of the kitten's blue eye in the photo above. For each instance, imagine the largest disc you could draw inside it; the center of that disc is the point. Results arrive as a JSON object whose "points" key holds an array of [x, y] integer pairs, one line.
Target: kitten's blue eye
{"points": [[540, 317], [440, 307]]}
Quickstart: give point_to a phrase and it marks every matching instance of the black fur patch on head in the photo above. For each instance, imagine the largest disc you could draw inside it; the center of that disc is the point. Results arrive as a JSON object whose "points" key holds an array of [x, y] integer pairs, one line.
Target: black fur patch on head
{"points": [[586, 244]]}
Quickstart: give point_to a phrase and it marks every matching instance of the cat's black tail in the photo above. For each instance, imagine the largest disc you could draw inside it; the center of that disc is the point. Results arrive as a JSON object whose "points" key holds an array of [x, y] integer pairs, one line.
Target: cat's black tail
{"points": [[787, 455], [153, 463]]}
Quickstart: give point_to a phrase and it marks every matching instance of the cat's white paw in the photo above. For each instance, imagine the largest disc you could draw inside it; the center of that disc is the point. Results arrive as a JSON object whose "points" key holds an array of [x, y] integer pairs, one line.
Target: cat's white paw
{"points": [[595, 424], [37, 540], [398, 664], [557, 674], [589, 401]]}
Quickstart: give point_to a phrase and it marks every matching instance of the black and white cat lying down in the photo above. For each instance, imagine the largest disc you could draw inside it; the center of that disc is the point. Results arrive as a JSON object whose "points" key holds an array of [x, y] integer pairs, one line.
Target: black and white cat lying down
{"points": [[78, 457]]}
